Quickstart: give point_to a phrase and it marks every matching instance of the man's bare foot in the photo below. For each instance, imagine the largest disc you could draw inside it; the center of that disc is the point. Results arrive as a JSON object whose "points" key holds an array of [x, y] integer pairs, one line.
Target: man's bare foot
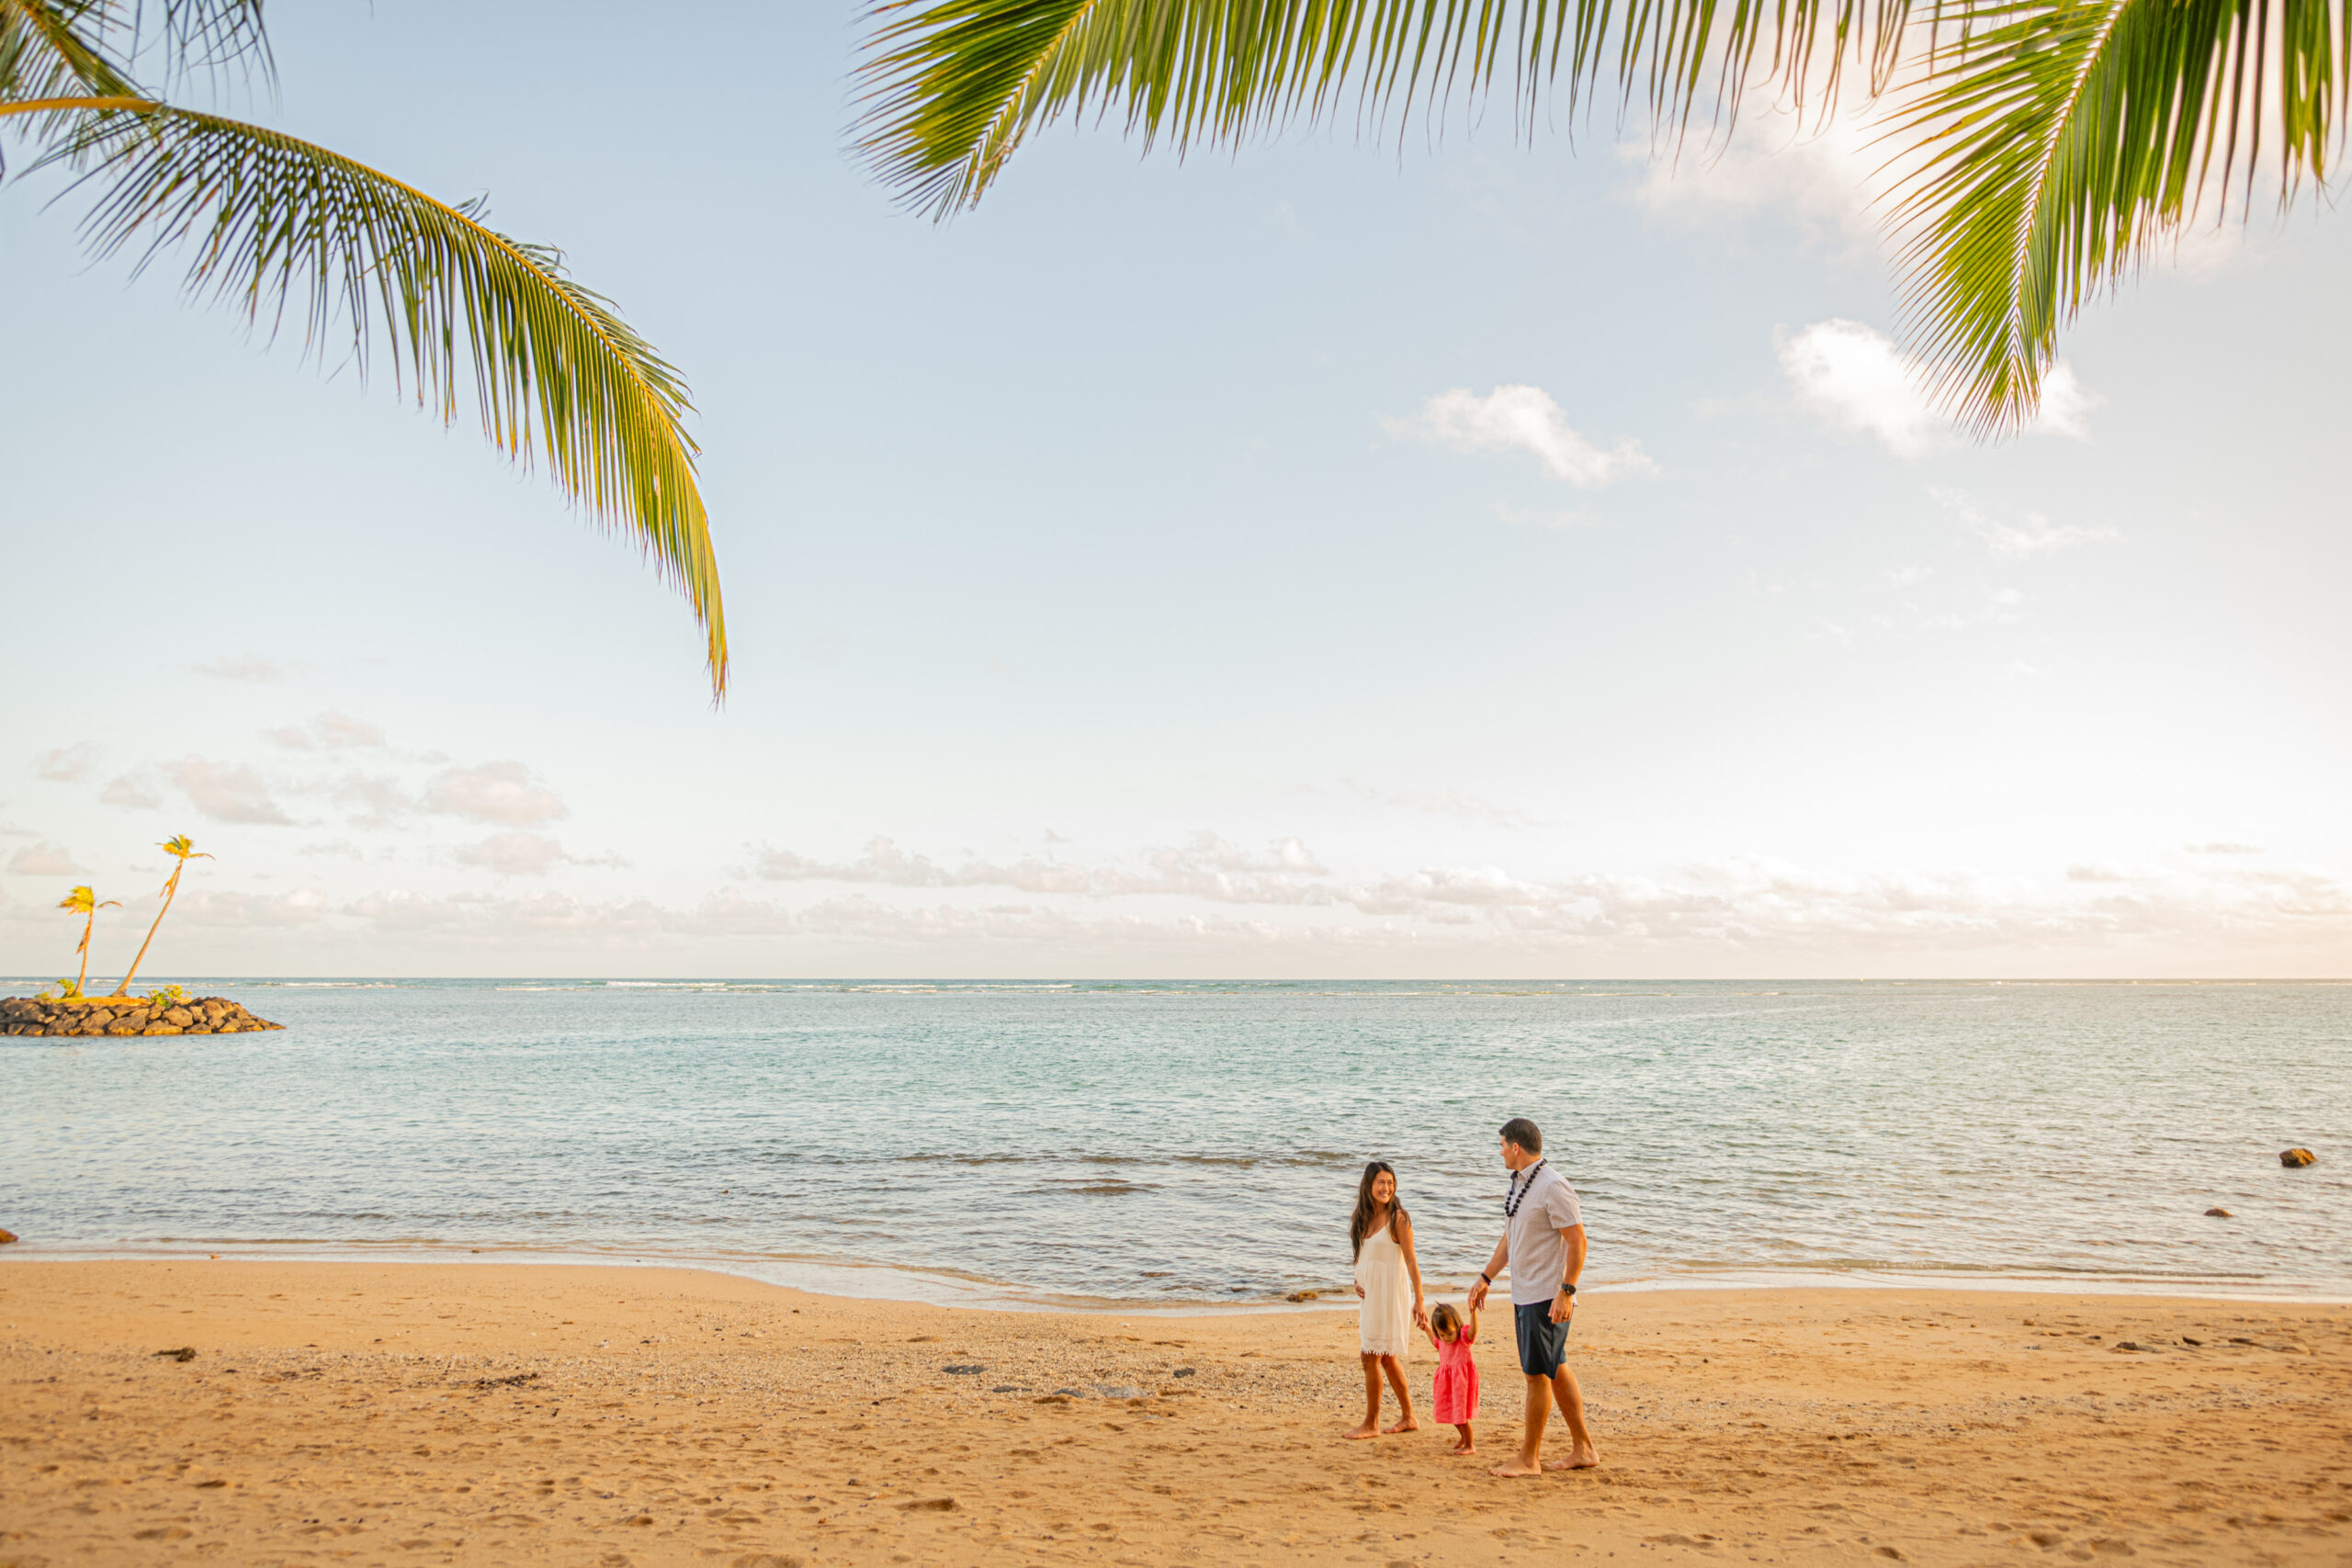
{"points": [[1407, 1424], [1515, 1469], [1583, 1456], [1360, 1433]]}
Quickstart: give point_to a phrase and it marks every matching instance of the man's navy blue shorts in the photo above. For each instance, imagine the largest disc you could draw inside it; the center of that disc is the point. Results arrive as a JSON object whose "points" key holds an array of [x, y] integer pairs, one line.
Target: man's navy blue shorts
{"points": [[1542, 1344]]}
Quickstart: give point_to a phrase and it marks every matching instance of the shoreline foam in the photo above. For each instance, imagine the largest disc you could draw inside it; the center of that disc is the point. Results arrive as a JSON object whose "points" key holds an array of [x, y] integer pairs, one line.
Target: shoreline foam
{"points": [[946, 1288]]}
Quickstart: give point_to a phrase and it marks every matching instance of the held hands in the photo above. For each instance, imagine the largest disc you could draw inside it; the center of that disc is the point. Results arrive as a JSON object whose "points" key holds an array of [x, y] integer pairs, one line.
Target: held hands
{"points": [[1422, 1315], [1358, 1293], [1478, 1296]]}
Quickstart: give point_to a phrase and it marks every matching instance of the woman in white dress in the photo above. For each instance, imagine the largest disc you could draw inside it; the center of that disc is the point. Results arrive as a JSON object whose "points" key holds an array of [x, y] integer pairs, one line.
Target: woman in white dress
{"points": [[1388, 1277]]}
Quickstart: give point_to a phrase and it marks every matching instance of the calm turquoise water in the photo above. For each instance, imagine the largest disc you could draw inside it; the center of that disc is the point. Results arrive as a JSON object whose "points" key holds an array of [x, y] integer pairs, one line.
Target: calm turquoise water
{"points": [[1185, 1142]]}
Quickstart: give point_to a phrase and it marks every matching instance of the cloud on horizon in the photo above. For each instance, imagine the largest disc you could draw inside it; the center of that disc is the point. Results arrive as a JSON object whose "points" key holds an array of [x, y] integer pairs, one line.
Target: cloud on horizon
{"points": [[227, 791], [1735, 913], [66, 764], [46, 857], [328, 731], [251, 668]]}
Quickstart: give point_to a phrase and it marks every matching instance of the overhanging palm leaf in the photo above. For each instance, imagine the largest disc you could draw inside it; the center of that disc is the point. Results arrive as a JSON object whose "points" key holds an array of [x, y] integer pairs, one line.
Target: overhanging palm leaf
{"points": [[280, 224], [954, 86], [2064, 139]]}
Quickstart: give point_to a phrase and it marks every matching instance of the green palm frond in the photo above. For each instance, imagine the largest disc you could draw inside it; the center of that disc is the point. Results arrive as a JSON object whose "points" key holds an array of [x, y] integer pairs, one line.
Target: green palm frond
{"points": [[2060, 141], [953, 87], [279, 226], [42, 55], [52, 47]]}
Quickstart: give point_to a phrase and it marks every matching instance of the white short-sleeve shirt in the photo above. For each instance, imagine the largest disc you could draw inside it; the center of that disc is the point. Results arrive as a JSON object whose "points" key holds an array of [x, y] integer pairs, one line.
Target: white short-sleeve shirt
{"points": [[1538, 1256]]}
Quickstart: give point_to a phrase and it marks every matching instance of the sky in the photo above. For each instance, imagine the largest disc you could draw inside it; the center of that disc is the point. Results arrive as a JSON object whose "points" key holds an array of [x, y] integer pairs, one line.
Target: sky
{"points": [[1460, 555]]}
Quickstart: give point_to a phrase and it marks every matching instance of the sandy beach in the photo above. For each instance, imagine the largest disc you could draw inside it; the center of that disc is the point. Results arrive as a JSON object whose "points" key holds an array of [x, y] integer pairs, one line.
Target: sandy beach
{"points": [[487, 1414]]}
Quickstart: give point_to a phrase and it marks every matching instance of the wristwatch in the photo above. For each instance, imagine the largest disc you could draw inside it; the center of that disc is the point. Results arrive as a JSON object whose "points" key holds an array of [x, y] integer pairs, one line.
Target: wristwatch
{"points": [[1567, 1290]]}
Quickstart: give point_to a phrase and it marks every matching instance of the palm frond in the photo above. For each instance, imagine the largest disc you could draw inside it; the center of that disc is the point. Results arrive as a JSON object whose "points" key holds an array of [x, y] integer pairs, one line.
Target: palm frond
{"points": [[280, 227], [49, 47], [2062, 141], [951, 88], [44, 53]]}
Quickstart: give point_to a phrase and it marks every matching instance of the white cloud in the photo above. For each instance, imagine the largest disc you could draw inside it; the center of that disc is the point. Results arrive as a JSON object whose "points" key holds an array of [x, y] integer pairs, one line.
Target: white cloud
{"points": [[2066, 404], [2018, 541], [1824, 177], [378, 801], [229, 793], [1208, 867], [1277, 910], [2223, 848], [1854, 377], [328, 731], [1525, 419], [251, 666], [524, 855], [66, 764], [134, 791], [1444, 803], [210, 908], [501, 793], [44, 859]]}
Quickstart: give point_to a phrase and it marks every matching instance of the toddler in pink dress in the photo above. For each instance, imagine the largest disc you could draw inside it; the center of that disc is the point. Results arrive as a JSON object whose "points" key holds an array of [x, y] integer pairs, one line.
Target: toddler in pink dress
{"points": [[1455, 1394]]}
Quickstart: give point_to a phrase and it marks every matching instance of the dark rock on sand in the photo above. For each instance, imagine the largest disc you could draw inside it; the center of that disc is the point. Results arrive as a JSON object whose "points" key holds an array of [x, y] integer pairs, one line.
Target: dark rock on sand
{"points": [[126, 1016], [2295, 1160]]}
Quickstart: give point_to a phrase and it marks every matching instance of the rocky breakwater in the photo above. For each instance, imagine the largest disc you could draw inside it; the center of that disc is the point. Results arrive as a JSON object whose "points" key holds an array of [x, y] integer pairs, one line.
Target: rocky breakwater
{"points": [[126, 1015]]}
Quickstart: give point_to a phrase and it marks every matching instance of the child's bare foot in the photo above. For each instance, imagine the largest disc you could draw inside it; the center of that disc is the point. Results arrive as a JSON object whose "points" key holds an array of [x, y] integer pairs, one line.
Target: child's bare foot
{"points": [[1407, 1424], [1360, 1433], [1458, 1449]]}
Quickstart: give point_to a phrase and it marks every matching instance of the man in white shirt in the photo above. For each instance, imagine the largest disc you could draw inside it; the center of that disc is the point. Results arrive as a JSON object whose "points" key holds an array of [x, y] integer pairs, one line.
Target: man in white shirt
{"points": [[1543, 1243]]}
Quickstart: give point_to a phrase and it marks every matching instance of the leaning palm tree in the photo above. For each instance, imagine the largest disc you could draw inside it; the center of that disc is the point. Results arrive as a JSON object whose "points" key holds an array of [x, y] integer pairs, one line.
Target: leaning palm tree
{"points": [[2046, 146], [84, 903], [184, 850], [275, 227]]}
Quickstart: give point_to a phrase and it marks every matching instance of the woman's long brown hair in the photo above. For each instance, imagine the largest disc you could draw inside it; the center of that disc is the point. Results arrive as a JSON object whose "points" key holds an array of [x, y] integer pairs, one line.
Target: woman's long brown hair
{"points": [[1361, 1227]]}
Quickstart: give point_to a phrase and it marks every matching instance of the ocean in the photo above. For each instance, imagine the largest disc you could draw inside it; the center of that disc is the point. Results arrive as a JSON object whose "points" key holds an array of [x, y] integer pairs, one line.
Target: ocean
{"points": [[1173, 1144]]}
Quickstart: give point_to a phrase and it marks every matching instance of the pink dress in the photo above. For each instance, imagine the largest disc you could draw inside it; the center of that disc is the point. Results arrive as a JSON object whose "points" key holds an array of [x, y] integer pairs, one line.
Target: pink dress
{"points": [[1456, 1391]]}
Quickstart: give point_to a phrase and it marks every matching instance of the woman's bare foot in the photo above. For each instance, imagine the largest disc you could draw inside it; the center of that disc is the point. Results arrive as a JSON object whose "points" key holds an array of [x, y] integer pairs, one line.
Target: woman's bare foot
{"points": [[1582, 1456], [1407, 1424], [1360, 1433]]}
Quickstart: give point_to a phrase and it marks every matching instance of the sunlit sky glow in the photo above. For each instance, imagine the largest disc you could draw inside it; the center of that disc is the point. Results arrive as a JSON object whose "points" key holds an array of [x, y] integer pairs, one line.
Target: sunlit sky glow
{"points": [[1465, 558]]}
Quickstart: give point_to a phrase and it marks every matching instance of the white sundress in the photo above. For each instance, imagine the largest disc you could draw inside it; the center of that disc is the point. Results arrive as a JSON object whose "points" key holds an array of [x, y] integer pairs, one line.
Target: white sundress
{"points": [[1384, 1326]]}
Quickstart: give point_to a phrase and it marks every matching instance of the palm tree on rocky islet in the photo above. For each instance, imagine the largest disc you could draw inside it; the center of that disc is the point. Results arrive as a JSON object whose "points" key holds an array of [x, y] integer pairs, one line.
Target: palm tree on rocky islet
{"points": [[184, 849], [84, 903]]}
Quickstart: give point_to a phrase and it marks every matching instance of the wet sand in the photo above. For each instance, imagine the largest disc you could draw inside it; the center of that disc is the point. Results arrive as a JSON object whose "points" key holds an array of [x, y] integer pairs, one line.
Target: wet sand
{"points": [[490, 1413]]}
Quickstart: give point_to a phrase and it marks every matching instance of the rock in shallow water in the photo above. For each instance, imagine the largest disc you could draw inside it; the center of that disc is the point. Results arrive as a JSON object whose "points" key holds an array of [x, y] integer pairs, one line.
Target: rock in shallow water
{"points": [[2295, 1160]]}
